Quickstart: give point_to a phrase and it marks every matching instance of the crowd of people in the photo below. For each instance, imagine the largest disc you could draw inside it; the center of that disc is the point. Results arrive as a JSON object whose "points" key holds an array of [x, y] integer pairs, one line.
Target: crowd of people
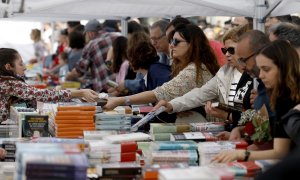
{"points": [[174, 64]]}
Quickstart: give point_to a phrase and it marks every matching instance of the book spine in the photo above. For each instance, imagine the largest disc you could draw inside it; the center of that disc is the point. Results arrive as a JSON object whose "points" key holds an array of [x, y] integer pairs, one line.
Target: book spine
{"points": [[72, 113], [121, 171], [78, 108], [160, 137], [75, 121], [74, 117]]}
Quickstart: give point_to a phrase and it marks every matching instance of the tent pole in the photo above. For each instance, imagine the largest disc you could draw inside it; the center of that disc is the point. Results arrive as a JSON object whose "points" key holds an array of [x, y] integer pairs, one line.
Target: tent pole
{"points": [[124, 25], [260, 8]]}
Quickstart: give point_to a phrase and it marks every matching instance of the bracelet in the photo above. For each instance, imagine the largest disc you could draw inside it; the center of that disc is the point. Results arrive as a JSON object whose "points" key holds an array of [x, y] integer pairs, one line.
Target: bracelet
{"points": [[247, 154], [127, 101]]}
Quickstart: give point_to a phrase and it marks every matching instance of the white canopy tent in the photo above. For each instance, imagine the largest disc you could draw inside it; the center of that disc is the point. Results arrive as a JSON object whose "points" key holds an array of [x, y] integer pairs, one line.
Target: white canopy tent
{"points": [[117, 9]]}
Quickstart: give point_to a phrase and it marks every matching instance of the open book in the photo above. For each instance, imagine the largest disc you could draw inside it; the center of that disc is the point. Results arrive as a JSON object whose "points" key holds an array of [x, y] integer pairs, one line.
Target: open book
{"points": [[226, 107]]}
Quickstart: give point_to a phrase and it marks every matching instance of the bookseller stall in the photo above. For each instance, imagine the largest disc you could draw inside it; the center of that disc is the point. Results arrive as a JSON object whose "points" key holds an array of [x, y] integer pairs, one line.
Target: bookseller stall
{"points": [[80, 141]]}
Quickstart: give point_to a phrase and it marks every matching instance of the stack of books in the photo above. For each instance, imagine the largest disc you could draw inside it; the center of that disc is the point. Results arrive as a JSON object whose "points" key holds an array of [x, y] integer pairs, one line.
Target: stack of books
{"points": [[101, 152], [208, 127], [17, 115], [106, 121], [163, 131], [170, 152], [50, 161], [70, 121]]}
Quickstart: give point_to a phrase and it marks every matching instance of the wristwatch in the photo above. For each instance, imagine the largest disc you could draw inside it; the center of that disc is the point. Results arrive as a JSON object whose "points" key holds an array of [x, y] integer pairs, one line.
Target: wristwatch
{"points": [[247, 154]]}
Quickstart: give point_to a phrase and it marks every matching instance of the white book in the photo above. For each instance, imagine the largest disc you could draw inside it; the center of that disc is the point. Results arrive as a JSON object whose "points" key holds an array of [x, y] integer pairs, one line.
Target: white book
{"points": [[139, 136]]}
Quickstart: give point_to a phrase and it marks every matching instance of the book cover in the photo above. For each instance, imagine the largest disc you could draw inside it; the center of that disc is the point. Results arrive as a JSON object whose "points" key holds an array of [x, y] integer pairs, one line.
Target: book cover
{"points": [[35, 125], [226, 107], [195, 136]]}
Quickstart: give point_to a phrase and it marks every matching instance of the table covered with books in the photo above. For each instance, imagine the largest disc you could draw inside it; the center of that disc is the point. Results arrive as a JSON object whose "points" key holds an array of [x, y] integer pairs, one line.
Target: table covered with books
{"points": [[80, 141]]}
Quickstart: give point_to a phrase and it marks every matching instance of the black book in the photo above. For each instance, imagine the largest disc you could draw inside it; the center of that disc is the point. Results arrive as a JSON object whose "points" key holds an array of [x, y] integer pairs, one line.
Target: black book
{"points": [[35, 124]]}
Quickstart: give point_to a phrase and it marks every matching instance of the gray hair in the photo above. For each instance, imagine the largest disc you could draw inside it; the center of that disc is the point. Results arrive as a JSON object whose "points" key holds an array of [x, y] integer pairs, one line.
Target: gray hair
{"points": [[161, 24], [257, 39], [289, 32]]}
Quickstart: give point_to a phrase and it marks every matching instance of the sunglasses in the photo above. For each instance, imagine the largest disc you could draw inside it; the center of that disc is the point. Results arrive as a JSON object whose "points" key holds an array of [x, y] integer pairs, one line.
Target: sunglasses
{"points": [[230, 50], [175, 42], [242, 61]]}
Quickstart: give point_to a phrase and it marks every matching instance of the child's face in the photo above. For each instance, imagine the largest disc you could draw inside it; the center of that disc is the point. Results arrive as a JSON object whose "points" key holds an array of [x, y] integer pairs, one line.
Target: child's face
{"points": [[19, 67]]}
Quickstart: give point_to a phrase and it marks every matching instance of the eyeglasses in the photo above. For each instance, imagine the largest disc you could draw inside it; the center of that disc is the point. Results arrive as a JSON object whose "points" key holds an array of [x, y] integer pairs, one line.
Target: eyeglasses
{"points": [[230, 50], [242, 61], [175, 42], [156, 39]]}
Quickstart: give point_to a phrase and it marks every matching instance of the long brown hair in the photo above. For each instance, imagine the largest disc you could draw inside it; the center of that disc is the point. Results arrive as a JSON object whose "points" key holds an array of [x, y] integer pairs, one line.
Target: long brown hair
{"points": [[119, 53], [285, 57], [199, 51]]}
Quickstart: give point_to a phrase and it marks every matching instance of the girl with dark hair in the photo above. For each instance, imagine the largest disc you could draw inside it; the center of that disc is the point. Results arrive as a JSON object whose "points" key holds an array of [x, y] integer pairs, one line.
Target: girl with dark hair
{"points": [[279, 67], [13, 89]]}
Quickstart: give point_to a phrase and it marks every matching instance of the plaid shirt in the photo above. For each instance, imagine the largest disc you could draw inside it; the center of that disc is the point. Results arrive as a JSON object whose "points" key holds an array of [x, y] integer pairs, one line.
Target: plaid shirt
{"points": [[93, 58], [11, 87]]}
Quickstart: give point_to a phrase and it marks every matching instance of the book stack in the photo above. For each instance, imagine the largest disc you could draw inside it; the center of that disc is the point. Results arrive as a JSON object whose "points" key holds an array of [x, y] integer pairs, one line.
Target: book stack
{"points": [[55, 166], [119, 138], [70, 121], [101, 152], [163, 131], [9, 144], [17, 115], [106, 121], [214, 127], [9, 130], [170, 152], [207, 150], [50, 161]]}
